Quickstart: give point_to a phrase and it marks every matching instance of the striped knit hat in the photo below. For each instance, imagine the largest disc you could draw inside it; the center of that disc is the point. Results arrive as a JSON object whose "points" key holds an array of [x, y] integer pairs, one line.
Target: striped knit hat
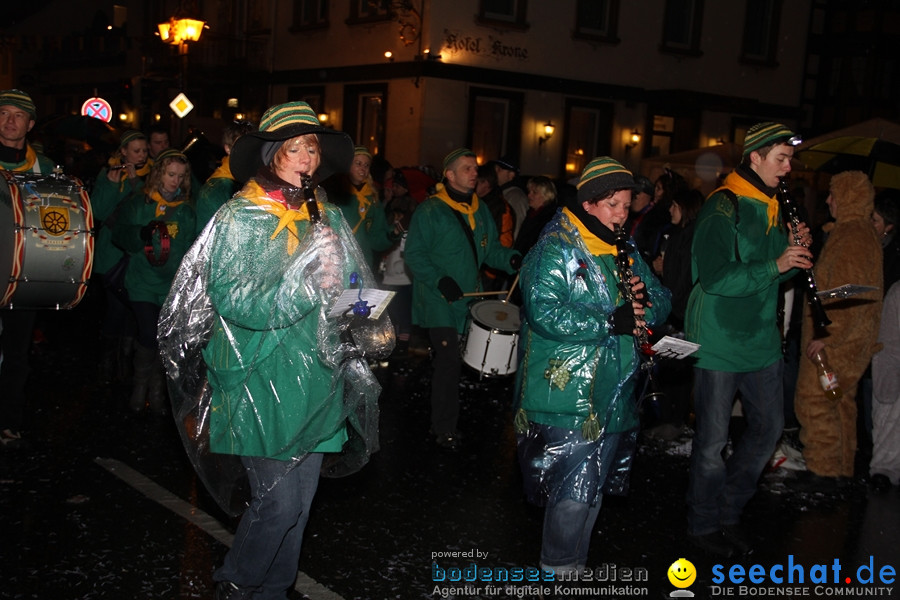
{"points": [[766, 134], [170, 153], [357, 150], [283, 122], [601, 175], [19, 99], [130, 136], [454, 155]]}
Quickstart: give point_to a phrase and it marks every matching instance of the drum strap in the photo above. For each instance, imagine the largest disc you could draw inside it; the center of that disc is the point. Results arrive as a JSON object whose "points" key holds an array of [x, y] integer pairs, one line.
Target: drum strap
{"points": [[469, 236]]}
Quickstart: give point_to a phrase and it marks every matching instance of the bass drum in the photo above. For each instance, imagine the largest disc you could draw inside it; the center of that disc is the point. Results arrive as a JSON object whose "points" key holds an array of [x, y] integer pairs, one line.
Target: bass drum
{"points": [[492, 338], [46, 240]]}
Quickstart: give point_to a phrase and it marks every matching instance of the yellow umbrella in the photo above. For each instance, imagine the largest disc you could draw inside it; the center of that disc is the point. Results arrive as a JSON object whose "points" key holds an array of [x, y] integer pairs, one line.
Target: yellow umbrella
{"points": [[878, 158]]}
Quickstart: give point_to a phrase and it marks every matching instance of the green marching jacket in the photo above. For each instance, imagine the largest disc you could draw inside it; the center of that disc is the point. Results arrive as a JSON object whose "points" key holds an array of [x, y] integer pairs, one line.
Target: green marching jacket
{"points": [[732, 309], [573, 365], [106, 197], [437, 247], [147, 282], [365, 218], [217, 190]]}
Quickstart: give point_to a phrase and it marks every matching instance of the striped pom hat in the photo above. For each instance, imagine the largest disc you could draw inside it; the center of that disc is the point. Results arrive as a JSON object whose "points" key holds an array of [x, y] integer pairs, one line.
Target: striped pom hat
{"points": [[130, 136], [283, 122], [455, 155], [766, 134], [19, 99], [601, 175]]}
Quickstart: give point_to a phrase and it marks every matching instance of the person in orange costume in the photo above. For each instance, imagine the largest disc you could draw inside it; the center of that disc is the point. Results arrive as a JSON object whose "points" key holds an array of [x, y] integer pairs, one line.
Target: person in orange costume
{"points": [[852, 254]]}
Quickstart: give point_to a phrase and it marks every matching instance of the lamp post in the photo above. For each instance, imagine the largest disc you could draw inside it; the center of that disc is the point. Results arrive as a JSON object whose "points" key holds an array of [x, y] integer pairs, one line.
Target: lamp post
{"points": [[178, 32]]}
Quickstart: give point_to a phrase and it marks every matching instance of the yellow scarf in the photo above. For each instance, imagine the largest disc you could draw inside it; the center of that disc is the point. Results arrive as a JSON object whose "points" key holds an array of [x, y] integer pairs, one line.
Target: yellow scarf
{"points": [[364, 198], [30, 159], [162, 204], [595, 245], [742, 187], [223, 171], [286, 216], [466, 209], [117, 160]]}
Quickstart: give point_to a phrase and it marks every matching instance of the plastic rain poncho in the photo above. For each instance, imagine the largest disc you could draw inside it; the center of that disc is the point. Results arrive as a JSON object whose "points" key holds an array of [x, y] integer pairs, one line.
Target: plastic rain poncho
{"points": [[576, 380], [255, 365]]}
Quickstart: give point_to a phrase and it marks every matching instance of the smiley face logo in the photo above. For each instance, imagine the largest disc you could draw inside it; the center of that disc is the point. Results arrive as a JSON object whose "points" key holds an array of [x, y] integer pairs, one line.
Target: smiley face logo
{"points": [[682, 573]]}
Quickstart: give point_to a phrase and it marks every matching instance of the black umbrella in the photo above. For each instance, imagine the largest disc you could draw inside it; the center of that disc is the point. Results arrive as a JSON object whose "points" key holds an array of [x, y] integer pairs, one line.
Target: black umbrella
{"points": [[98, 134], [877, 158]]}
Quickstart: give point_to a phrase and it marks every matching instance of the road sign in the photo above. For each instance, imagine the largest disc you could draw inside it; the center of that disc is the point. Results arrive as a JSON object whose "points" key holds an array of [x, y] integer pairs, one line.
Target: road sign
{"points": [[97, 108], [181, 106]]}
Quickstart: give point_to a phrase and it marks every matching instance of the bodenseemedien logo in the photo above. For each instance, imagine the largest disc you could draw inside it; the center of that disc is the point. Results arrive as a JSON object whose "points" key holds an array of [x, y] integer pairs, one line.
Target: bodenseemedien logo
{"points": [[682, 575]]}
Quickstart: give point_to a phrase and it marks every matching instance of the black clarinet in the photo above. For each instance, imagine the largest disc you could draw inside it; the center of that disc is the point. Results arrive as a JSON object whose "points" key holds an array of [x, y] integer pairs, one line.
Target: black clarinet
{"points": [[623, 266], [309, 195], [820, 319]]}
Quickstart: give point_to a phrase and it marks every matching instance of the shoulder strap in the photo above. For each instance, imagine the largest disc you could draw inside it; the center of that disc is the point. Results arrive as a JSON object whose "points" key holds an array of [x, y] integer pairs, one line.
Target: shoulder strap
{"points": [[737, 218], [468, 231]]}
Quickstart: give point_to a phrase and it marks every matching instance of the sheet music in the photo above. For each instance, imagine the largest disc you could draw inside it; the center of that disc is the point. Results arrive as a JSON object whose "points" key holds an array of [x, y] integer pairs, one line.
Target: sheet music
{"points": [[670, 347], [376, 299]]}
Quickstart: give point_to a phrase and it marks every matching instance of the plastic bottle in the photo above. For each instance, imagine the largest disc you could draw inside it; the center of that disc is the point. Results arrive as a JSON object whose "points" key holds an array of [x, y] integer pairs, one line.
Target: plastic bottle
{"points": [[827, 377]]}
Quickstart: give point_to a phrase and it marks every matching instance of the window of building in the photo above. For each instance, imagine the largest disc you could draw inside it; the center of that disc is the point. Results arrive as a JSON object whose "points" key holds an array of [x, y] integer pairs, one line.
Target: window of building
{"points": [[495, 123], [312, 95], [310, 14], [506, 13], [587, 133], [597, 20], [681, 26], [662, 134], [368, 11], [761, 23], [365, 107]]}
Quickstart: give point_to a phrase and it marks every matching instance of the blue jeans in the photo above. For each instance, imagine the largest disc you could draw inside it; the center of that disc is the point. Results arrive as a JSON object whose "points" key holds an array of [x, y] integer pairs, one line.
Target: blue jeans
{"points": [[719, 489], [267, 542]]}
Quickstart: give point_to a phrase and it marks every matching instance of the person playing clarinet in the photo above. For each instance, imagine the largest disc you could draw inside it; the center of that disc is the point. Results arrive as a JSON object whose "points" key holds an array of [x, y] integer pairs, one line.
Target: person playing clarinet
{"points": [[584, 312], [742, 251]]}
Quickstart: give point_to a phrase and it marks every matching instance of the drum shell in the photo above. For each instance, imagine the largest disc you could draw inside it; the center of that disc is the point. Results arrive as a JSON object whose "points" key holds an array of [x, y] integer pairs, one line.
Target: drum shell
{"points": [[46, 241], [492, 337]]}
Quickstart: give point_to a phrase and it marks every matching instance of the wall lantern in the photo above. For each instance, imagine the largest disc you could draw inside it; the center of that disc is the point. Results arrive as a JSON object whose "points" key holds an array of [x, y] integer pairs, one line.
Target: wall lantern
{"points": [[633, 140], [547, 130]]}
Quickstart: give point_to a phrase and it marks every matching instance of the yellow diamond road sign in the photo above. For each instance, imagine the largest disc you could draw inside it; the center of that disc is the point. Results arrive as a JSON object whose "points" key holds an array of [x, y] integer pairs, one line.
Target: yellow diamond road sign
{"points": [[181, 105]]}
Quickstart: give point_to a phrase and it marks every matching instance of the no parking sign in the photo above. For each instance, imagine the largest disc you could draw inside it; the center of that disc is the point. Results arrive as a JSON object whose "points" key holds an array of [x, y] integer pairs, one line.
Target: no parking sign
{"points": [[97, 108]]}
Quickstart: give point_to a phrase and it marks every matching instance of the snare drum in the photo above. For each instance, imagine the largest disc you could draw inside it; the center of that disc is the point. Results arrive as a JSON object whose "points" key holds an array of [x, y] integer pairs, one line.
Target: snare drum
{"points": [[46, 240], [492, 338]]}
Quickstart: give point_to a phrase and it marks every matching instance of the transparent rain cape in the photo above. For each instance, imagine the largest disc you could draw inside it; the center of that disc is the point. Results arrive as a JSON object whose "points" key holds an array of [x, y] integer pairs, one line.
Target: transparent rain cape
{"points": [[255, 366], [577, 424]]}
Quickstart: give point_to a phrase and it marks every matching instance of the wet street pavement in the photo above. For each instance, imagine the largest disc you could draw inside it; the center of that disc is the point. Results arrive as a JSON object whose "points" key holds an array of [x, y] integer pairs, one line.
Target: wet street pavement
{"points": [[103, 504]]}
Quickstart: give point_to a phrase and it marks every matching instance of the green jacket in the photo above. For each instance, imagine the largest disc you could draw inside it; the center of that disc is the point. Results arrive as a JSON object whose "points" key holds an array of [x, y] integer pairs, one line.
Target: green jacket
{"points": [[105, 197], [437, 247], [573, 365], [273, 393], [732, 309], [214, 193], [35, 162], [144, 281], [372, 231]]}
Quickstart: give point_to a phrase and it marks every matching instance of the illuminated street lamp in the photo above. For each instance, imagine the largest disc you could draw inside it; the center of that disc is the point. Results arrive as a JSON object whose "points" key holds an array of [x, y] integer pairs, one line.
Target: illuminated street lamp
{"points": [[178, 31]]}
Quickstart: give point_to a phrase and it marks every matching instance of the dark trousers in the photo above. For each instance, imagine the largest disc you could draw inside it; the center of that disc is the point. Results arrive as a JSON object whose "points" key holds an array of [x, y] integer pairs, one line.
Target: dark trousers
{"points": [[447, 363], [18, 329]]}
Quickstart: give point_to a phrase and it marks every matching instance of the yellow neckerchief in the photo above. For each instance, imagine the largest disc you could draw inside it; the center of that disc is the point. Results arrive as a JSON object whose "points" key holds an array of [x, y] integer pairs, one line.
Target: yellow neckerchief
{"points": [[162, 204], [466, 209], [742, 187], [595, 245], [223, 171], [30, 159], [364, 197], [117, 160], [286, 216]]}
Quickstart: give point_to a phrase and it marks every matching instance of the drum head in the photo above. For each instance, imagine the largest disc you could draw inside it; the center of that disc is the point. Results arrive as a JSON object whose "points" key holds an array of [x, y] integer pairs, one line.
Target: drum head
{"points": [[497, 314]]}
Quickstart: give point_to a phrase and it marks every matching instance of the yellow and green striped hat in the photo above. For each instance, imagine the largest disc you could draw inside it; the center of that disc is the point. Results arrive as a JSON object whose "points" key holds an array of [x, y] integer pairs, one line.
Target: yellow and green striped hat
{"points": [[129, 136], [766, 134], [454, 155], [601, 175], [283, 122], [19, 99]]}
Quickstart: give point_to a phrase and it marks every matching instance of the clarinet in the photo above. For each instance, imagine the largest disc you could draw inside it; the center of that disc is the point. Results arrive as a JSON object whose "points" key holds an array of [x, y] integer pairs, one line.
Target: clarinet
{"points": [[623, 266], [309, 195], [820, 319]]}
